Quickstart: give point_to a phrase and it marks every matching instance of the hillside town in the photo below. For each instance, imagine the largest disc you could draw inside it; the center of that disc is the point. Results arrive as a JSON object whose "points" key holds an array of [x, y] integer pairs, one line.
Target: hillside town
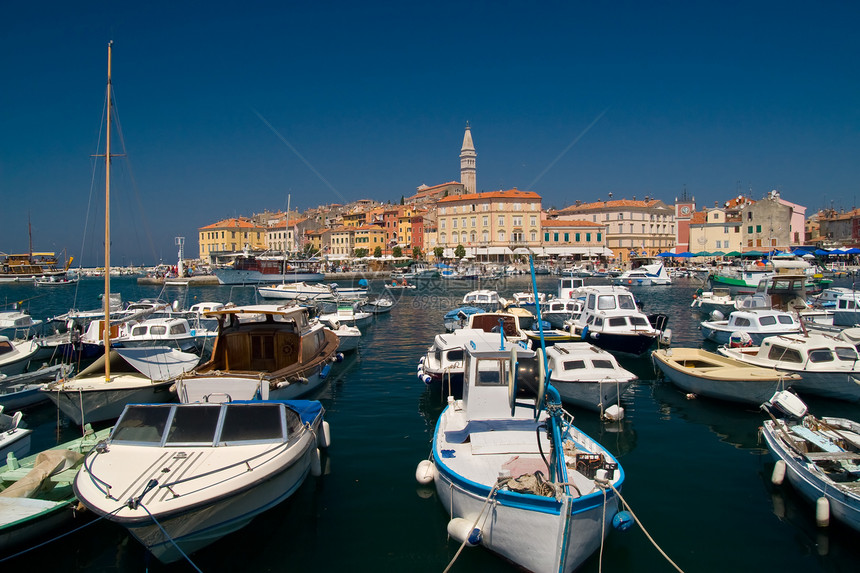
{"points": [[455, 220]]}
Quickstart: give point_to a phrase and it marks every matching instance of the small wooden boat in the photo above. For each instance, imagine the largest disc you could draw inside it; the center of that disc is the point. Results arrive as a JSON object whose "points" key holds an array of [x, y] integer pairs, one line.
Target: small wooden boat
{"points": [[187, 474], [819, 456], [707, 374], [37, 495]]}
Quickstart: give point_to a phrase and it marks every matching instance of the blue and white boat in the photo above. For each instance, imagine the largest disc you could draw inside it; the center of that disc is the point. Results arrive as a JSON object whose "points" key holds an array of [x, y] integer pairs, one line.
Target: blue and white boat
{"points": [[646, 275], [819, 456], [459, 317], [544, 500], [181, 476], [754, 324]]}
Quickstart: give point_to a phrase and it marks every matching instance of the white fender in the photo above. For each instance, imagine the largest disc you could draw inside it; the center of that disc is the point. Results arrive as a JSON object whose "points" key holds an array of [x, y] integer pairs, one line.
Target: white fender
{"points": [[425, 473]]}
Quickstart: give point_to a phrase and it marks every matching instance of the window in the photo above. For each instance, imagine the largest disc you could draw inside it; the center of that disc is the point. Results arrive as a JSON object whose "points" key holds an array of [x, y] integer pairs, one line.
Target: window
{"points": [[518, 221], [453, 223], [576, 236], [725, 230], [599, 239], [620, 216], [845, 353], [194, 425], [501, 220], [574, 365], [783, 354], [555, 237], [588, 237], [617, 321], [639, 321], [767, 320], [546, 237], [517, 207], [786, 319], [626, 302], [602, 364], [533, 221], [252, 422], [474, 221], [741, 321], [141, 424], [820, 355], [501, 235], [463, 221], [758, 228], [533, 236], [606, 302], [485, 220], [490, 373], [567, 237]]}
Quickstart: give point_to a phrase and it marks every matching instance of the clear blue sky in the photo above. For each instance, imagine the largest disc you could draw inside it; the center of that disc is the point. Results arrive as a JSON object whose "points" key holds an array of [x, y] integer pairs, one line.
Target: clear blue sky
{"points": [[228, 107]]}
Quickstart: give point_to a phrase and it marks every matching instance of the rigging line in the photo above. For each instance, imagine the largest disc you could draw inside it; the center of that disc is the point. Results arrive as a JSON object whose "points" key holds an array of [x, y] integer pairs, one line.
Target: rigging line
{"points": [[169, 538], [299, 155], [132, 179], [566, 149]]}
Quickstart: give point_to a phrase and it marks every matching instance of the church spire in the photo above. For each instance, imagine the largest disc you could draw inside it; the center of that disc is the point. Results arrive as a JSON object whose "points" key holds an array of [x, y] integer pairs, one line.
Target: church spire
{"points": [[467, 162]]}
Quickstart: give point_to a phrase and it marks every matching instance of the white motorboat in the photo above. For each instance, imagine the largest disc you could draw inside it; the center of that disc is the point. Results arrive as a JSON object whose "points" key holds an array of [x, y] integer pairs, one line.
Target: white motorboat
{"points": [[247, 269], [379, 305], [827, 366], [612, 320], [558, 311], [699, 372], [819, 456], [544, 500], [187, 474], [262, 352], [14, 437], [130, 375], [16, 355], [348, 336], [172, 332], [587, 376], [443, 361], [570, 287], [756, 324], [348, 314], [484, 299], [311, 292], [719, 300], [646, 275], [17, 324]]}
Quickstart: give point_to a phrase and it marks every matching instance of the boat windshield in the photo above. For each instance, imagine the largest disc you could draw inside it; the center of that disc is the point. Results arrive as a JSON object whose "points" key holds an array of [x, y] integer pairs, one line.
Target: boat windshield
{"points": [[845, 353], [491, 373], [626, 302], [606, 302]]}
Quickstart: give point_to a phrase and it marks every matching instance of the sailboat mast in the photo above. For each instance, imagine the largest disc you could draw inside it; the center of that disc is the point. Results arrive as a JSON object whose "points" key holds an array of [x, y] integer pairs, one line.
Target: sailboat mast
{"points": [[107, 225]]}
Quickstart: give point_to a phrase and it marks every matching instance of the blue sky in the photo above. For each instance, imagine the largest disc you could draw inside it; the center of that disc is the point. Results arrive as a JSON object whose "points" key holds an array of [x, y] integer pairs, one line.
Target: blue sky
{"points": [[228, 107]]}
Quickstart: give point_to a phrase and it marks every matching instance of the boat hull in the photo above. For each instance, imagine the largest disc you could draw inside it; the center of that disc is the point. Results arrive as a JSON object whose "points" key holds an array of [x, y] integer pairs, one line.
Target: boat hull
{"points": [[597, 396], [754, 392], [722, 336], [836, 385], [635, 344], [844, 506], [245, 277], [201, 526], [103, 404]]}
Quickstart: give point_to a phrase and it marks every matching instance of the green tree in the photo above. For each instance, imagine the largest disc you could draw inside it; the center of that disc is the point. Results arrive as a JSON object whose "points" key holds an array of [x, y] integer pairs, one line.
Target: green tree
{"points": [[417, 254], [438, 252], [402, 200], [397, 251], [358, 253], [460, 251], [377, 252]]}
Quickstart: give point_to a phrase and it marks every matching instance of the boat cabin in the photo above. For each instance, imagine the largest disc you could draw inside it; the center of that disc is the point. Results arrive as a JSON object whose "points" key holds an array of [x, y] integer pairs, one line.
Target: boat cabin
{"points": [[785, 291], [487, 378], [568, 287], [482, 298], [815, 351]]}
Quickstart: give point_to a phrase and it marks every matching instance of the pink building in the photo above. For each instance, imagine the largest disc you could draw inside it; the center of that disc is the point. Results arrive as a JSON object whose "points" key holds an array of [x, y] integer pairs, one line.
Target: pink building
{"points": [[797, 228]]}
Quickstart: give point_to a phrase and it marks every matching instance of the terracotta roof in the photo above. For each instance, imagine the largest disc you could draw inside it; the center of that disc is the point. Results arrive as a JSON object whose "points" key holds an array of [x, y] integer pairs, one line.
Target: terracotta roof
{"points": [[563, 223], [434, 189], [614, 204], [231, 223], [370, 228], [735, 202], [699, 218], [509, 194]]}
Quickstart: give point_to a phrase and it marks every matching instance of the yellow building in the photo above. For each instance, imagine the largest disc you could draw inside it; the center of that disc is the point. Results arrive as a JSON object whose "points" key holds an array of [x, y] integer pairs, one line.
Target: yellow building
{"points": [[715, 230], [230, 236], [342, 242], [491, 223], [574, 238], [633, 228], [369, 237]]}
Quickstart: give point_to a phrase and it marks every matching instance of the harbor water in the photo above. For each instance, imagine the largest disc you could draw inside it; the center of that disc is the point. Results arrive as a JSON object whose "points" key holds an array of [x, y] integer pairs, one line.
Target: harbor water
{"points": [[698, 476]]}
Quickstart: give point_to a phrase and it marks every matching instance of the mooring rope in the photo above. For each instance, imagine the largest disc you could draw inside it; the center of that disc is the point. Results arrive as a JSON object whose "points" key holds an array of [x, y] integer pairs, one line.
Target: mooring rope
{"points": [[169, 538], [474, 525], [648, 535]]}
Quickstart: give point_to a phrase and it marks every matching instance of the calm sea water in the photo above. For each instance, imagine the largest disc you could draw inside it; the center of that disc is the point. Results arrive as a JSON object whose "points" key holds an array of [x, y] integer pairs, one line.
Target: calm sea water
{"points": [[698, 476]]}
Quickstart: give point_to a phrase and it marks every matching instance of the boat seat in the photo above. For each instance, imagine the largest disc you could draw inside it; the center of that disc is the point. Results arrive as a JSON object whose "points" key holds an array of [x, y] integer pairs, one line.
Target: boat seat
{"points": [[816, 439]]}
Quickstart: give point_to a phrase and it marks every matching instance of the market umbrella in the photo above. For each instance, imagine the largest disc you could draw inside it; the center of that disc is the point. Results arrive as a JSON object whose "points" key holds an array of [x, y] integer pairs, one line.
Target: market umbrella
{"points": [[718, 254], [837, 252], [703, 254], [668, 254], [733, 254], [822, 252], [799, 252], [853, 251], [685, 255], [753, 254]]}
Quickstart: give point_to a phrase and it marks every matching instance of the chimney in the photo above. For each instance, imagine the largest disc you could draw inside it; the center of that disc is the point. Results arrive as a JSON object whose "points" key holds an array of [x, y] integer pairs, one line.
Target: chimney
{"points": [[578, 202], [634, 197]]}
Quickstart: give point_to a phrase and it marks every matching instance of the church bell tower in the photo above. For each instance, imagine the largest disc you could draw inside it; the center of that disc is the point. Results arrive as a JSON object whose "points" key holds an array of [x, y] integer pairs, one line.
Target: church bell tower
{"points": [[467, 162]]}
